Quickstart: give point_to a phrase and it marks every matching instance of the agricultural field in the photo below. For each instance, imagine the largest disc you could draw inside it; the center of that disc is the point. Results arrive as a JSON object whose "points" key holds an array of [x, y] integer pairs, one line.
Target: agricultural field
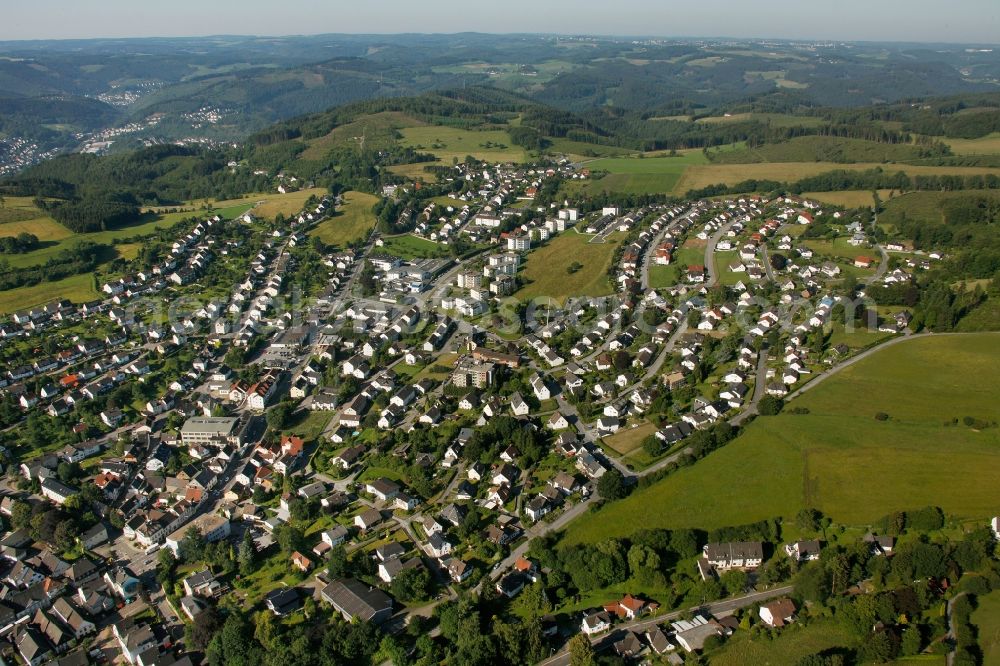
{"points": [[838, 458], [547, 273], [697, 176], [411, 247], [77, 288], [986, 618], [449, 142], [352, 221]]}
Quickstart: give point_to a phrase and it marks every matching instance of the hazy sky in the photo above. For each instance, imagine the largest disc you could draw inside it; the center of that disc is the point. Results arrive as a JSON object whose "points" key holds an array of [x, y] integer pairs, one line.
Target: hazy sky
{"points": [[873, 20]]}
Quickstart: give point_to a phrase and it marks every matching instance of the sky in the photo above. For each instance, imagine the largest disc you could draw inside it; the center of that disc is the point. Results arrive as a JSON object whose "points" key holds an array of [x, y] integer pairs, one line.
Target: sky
{"points": [[957, 21]]}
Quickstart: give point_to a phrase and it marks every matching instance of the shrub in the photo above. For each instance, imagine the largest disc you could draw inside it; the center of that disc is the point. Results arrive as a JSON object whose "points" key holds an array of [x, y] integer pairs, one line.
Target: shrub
{"points": [[881, 416]]}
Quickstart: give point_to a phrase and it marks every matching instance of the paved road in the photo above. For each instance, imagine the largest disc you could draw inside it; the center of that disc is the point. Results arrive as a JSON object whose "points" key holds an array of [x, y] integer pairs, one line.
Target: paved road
{"points": [[719, 607]]}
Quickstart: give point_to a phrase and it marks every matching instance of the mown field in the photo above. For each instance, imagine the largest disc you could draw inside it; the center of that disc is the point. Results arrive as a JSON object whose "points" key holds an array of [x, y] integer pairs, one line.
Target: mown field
{"points": [[352, 221], [546, 269], [838, 457]]}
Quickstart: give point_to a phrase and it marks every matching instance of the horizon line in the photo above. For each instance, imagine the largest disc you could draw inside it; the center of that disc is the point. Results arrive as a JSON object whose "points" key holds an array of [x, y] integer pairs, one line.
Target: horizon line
{"points": [[577, 35]]}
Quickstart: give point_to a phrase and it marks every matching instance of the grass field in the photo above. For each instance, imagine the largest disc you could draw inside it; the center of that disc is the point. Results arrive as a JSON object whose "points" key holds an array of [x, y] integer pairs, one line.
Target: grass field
{"points": [[823, 149], [773, 119], [661, 277], [579, 150], [838, 458], [546, 268], [351, 222], [839, 247], [450, 142], [986, 145], [78, 288], [986, 618], [629, 440], [412, 247], [927, 207], [849, 198], [375, 128], [61, 238], [697, 176], [791, 645], [415, 170], [634, 175]]}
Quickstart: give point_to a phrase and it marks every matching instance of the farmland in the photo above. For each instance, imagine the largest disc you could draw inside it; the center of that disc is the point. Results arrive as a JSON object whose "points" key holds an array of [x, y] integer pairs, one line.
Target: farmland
{"points": [[352, 221], [838, 458], [547, 268]]}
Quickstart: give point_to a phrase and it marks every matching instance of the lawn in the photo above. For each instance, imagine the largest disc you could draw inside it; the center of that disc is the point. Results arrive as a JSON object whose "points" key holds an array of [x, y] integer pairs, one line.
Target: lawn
{"points": [[791, 645], [986, 618], [838, 458], [447, 143], [351, 222], [411, 247], [546, 270], [697, 176], [77, 288]]}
